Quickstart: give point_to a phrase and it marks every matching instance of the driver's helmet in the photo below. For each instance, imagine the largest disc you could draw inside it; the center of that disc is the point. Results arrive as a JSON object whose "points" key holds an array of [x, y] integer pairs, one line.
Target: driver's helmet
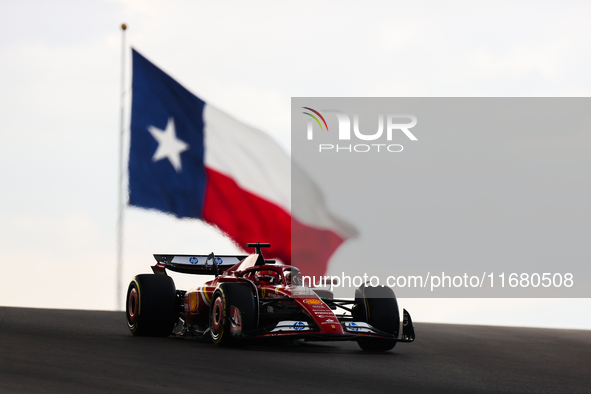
{"points": [[268, 276]]}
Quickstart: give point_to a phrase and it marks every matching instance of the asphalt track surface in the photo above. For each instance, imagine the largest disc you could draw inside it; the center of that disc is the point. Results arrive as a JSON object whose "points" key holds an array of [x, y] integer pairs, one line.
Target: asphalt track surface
{"points": [[65, 351]]}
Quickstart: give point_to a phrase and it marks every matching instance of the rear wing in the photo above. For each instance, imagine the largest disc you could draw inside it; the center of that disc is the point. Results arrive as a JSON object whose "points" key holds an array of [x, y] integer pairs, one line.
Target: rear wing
{"points": [[195, 264]]}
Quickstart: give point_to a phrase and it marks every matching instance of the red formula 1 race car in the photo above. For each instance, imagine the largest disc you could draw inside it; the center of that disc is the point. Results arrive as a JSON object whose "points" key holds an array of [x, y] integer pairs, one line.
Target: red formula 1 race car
{"points": [[253, 298]]}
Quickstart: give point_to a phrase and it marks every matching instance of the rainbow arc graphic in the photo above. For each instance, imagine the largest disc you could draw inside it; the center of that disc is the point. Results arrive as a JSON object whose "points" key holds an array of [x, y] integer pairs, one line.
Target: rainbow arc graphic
{"points": [[315, 118]]}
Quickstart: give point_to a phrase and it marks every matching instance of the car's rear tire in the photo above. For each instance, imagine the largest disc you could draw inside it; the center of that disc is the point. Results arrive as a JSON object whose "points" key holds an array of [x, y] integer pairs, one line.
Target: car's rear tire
{"points": [[378, 307], [151, 307], [227, 325]]}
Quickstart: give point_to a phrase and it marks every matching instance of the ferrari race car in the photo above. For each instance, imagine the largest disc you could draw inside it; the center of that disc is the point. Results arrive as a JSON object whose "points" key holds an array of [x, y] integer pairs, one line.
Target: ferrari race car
{"points": [[254, 298]]}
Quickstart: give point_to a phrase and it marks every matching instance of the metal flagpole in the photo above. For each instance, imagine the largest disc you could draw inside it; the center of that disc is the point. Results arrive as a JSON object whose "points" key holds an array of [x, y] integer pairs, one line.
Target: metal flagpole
{"points": [[121, 199]]}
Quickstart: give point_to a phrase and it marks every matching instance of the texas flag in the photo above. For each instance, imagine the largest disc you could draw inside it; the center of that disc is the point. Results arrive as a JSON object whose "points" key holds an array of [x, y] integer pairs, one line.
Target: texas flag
{"points": [[190, 159]]}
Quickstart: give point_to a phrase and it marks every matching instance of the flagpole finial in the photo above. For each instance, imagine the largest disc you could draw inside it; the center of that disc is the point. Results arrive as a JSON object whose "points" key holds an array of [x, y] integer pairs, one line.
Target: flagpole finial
{"points": [[123, 26]]}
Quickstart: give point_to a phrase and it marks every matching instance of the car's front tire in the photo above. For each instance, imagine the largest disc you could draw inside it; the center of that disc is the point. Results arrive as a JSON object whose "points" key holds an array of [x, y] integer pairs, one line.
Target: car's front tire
{"points": [[232, 312], [378, 307]]}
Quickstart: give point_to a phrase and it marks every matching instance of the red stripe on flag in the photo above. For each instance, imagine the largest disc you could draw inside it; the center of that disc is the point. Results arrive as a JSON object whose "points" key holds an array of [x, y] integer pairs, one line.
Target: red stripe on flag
{"points": [[312, 248], [246, 217]]}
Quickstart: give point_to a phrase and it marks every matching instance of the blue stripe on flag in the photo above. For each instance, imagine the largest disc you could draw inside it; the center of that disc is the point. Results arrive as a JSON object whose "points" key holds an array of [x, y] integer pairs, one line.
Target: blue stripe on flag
{"points": [[167, 175]]}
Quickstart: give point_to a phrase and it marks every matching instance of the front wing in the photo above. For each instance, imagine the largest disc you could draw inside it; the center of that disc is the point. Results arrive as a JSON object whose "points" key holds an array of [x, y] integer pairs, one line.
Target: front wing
{"points": [[352, 330]]}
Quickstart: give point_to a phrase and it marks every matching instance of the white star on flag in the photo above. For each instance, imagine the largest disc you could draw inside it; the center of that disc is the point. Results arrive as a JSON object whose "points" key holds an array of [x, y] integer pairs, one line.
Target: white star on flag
{"points": [[169, 147]]}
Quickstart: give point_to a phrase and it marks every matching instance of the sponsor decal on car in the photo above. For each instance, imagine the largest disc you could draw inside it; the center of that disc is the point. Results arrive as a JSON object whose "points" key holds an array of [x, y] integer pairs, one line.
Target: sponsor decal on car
{"points": [[203, 260], [313, 301], [358, 327], [322, 312], [291, 325], [302, 291]]}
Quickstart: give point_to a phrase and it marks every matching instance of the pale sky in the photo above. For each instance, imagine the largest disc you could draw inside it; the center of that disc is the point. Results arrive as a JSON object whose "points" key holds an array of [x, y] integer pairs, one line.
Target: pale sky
{"points": [[60, 75]]}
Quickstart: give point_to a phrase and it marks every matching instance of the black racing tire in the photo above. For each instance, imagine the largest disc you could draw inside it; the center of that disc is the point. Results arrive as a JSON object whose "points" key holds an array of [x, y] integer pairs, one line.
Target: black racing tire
{"points": [[151, 308], [378, 307], [222, 330]]}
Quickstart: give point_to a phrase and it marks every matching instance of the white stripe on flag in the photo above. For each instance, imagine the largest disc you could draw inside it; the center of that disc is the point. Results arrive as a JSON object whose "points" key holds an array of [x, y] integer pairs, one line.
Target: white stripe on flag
{"points": [[248, 156], [259, 165]]}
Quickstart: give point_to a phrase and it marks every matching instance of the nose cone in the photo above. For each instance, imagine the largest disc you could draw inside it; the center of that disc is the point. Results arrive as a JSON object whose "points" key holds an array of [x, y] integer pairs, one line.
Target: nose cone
{"points": [[322, 315]]}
